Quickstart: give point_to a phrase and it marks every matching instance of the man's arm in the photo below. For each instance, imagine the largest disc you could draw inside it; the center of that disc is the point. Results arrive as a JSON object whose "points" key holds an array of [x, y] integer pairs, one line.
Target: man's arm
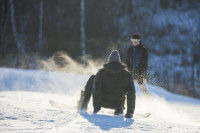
{"points": [[89, 85], [128, 58], [97, 92], [145, 63], [145, 59]]}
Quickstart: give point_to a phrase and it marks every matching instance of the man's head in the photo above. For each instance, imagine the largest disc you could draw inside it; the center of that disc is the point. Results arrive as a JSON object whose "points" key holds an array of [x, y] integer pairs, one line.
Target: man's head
{"points": [[114, 57], [135, 40]]}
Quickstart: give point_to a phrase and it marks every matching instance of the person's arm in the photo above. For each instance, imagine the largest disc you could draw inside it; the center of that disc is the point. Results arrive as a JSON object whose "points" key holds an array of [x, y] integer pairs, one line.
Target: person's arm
{"points": [[145, 63], [97, 92], [130, 99], [146, 59], [89, 85]]}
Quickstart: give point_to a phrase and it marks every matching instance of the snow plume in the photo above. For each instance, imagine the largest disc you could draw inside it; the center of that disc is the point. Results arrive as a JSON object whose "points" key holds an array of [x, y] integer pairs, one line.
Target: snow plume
{"points": [[61, 62], [168, 107], [57, 74], [41, 81]]}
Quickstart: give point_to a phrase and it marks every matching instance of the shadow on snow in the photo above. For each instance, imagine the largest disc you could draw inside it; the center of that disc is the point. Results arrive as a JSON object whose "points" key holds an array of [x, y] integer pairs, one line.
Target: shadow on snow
{"points": [[106, 122]]}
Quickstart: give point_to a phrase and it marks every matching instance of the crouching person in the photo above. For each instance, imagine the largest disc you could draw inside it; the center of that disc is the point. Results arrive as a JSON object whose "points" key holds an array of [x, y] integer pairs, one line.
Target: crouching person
{"points": [[111, 84]]}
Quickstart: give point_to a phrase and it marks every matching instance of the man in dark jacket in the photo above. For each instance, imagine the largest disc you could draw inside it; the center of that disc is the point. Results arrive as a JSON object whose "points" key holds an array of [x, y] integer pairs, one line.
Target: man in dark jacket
{"points": [[111, 84], [137, 62]]}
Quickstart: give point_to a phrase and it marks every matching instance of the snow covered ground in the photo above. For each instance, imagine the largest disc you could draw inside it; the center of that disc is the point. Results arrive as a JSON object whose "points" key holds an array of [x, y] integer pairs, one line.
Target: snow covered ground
{"points": [[24, 107]]}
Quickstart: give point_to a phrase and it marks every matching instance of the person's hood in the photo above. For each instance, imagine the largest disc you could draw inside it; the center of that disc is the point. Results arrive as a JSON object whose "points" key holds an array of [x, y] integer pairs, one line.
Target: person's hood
{"points": [[114, 67]]}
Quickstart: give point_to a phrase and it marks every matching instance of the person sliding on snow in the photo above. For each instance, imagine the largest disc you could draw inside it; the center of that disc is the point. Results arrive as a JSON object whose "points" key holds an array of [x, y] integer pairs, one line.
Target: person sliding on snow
{"points": [[137, 61], [111, 84]]}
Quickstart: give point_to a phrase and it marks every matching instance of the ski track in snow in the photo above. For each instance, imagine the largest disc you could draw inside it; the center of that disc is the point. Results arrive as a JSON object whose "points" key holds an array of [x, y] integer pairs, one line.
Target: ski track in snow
{"points": [[24, 107]]}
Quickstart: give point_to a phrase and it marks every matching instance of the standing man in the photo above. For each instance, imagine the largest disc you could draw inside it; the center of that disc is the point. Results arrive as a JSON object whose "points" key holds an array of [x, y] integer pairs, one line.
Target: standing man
{"points": [[137, 62]]}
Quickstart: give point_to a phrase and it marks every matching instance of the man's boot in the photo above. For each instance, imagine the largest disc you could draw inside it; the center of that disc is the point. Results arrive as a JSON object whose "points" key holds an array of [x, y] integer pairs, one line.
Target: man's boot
{"points": [[83, 102], [118, 111]]}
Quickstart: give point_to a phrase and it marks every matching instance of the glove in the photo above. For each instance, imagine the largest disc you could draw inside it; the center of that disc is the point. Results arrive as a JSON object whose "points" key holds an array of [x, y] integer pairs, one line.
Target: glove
{"points": [[128, 115]]}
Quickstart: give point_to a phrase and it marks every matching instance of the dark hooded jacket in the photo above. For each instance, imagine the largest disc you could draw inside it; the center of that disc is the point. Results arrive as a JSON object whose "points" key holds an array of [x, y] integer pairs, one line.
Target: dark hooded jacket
{"points": [[137, 60], [111, 85]]}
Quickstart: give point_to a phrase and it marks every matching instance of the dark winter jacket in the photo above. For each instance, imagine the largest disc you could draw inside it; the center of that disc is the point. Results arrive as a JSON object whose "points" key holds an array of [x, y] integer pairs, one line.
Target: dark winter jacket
{"points": [[89, 85], [110, 86], [137, 60]]}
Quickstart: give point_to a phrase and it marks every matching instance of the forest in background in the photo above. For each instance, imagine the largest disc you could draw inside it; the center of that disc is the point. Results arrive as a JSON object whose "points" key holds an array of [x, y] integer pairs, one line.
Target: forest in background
{"points": [[169, 29]]}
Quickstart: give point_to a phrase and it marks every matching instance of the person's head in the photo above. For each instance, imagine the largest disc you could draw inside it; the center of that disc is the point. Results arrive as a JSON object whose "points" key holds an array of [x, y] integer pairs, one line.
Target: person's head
{"points": [[135, 40], [114, 57]]}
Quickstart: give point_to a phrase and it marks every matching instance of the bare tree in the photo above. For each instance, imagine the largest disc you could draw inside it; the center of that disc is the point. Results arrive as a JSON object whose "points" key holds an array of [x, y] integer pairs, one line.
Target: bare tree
{"points": [[3, 21], [20, 48], [83, 32], [195, 59], [40, 25], [14, 28]]}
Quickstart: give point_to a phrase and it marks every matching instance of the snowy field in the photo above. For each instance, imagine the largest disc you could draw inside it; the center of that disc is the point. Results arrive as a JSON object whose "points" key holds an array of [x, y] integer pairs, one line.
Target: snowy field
{"points": [[25, 108]]}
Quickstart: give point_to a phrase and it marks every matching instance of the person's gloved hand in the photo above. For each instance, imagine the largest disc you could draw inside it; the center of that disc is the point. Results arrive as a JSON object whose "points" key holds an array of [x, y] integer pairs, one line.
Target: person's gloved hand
{"points": [[128, 115]]}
